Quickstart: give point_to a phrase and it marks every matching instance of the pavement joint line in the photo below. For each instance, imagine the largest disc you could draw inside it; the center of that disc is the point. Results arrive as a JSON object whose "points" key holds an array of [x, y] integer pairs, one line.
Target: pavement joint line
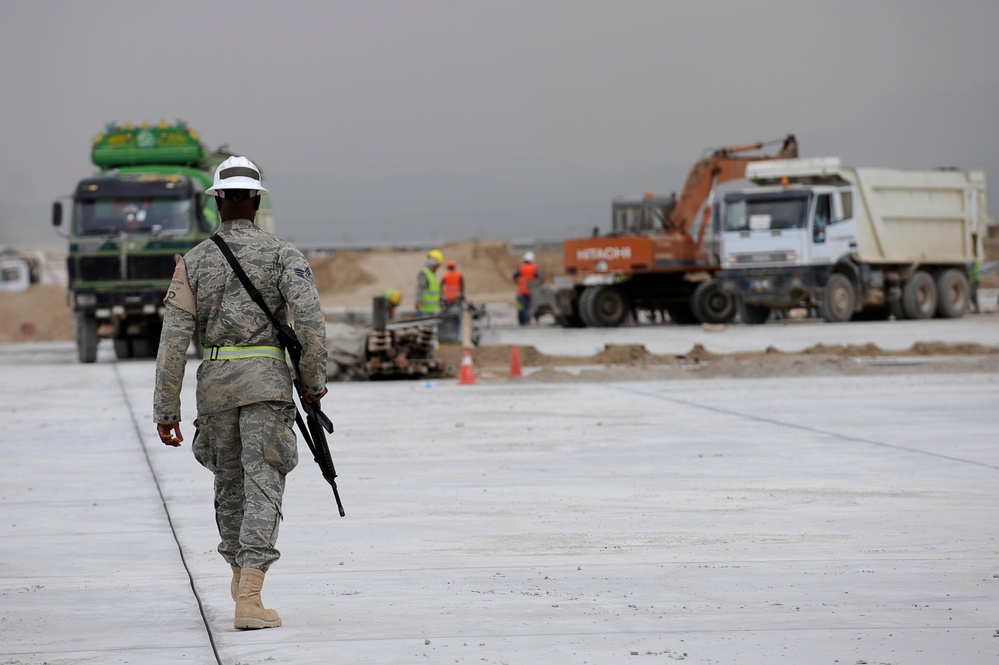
{"points": [[166, 510], [631, 564], [804, 428], [654, 632]]}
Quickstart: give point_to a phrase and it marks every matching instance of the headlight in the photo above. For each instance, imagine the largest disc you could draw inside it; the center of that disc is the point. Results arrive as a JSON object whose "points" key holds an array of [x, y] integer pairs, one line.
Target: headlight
{"points": [[86, 299]]}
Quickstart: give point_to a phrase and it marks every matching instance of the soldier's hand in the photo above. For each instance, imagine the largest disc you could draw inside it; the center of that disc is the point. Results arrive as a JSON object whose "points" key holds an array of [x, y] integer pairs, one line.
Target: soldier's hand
{"points": [[314, 399], [169, 433]]}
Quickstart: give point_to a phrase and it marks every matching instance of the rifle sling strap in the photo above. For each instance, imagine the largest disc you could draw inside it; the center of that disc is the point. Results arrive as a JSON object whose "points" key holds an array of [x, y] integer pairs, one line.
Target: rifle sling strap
{"points": [[245, 280]]}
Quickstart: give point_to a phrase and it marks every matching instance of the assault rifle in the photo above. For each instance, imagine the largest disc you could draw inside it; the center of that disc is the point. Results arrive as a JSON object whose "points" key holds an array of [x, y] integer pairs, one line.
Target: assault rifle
{"points": [[316, 423]]}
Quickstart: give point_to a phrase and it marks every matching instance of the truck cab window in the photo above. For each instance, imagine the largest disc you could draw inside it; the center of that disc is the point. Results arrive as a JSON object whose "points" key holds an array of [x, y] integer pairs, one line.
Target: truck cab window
{"points": [[846, 200], [759, 213], [822, 217], [113, 216]]}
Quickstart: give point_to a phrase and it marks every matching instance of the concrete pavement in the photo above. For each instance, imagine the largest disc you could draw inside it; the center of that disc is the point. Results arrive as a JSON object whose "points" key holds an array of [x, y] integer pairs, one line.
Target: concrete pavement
{"points": [[799, 520]]}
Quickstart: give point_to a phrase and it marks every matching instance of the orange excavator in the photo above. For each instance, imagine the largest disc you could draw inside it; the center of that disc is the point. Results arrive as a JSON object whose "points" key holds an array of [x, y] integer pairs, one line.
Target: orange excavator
{"points": [[655, 258]]}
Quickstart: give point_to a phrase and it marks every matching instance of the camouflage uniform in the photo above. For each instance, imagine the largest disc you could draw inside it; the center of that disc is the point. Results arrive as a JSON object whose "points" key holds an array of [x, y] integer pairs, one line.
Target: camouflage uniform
{"points": [[245, 412]]}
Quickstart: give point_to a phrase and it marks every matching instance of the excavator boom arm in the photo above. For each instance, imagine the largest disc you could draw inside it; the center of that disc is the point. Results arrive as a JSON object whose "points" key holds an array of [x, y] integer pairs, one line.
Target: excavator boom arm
{"points": [[721, 166]]}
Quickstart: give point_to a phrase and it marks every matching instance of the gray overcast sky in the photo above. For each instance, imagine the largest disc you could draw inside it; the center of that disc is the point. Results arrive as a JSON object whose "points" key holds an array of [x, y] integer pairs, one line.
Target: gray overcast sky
{"points": [[447, 120]]}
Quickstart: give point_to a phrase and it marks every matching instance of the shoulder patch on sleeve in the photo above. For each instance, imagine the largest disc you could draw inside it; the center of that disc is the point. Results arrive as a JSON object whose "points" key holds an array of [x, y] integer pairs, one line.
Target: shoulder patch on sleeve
{"points": [[180, 294], [305, 273]]}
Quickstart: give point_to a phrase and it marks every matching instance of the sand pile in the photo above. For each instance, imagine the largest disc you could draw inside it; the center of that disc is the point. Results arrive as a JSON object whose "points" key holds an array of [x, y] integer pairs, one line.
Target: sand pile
{"points": [[353, 278], [40, 313]]}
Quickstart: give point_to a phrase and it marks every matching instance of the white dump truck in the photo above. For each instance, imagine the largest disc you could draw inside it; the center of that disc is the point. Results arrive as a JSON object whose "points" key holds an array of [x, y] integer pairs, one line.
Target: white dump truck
{"points": [[851, 243]]}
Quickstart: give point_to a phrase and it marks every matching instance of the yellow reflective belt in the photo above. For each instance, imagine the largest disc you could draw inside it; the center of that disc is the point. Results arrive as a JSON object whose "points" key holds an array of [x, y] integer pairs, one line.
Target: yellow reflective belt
{"points": [[240, 352]]}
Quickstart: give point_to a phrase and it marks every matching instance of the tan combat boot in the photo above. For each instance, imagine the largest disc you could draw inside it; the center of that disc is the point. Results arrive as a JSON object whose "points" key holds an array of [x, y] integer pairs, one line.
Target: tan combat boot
{"points": [[234, 585], [250, 612]]}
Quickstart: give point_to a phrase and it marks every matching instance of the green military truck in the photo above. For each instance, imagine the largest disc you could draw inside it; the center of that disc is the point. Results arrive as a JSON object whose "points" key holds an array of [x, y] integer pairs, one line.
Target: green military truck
{"points": [[145, 204]]}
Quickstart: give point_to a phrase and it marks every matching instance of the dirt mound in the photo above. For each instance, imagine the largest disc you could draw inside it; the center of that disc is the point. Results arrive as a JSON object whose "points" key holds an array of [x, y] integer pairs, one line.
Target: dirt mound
{"points": [[346, 273], [631, 361], [40, 313]]}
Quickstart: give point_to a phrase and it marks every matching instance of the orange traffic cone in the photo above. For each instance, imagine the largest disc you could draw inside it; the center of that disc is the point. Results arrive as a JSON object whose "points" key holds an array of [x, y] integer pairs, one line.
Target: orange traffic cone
{"points": [[467, 370], [514, 363]]}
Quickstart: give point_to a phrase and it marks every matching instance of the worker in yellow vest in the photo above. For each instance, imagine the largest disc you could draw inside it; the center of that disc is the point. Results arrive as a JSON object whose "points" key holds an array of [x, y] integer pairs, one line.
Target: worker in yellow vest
{"points": [[428, 285]]}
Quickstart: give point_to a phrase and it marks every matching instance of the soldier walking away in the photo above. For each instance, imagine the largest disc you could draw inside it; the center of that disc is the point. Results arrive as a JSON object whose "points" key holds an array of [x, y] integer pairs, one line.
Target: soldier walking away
{"points": [[525, 274], [428, 285], [452, 285], [245, 411]]}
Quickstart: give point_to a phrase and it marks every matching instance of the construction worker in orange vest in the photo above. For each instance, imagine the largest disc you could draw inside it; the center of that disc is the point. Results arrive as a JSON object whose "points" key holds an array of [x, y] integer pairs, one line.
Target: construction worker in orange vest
{"points": [[452, 285], [526, 273]]}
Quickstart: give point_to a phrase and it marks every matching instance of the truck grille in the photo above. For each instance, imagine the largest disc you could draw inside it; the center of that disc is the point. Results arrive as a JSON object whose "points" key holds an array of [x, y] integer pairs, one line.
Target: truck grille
{"points": [[756, 258], [108, 268]]}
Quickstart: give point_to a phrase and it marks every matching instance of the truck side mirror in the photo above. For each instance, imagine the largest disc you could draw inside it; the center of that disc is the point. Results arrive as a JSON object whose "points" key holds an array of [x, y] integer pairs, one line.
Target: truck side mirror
{"points": [[199, 213], [57, 213]]}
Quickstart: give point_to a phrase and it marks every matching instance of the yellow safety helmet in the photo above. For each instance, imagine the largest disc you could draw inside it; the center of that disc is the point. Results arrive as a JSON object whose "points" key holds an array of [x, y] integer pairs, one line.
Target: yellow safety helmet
{"points": [[394, 296], [436, 255]]}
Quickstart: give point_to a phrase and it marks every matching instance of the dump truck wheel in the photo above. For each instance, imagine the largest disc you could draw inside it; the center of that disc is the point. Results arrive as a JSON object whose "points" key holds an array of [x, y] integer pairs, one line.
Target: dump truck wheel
{"points": [[86, 338], [839, 300], [953, 294], [603, 306], [753, 315], [919, 297], [711, 305]]}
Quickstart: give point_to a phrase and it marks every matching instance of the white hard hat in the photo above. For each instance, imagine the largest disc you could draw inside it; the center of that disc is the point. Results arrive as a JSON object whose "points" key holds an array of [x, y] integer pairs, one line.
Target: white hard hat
{"points": [[237, 173], [529, 257]]}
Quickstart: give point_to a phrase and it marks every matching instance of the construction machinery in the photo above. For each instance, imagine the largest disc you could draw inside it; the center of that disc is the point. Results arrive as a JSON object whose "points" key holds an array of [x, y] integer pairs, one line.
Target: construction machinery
{"points": [[145, 204], [385, 350], [656, 256], [852, 243]]}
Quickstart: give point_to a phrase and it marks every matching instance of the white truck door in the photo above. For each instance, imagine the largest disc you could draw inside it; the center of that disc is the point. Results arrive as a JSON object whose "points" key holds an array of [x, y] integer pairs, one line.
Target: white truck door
{"points": [[833, 229]]}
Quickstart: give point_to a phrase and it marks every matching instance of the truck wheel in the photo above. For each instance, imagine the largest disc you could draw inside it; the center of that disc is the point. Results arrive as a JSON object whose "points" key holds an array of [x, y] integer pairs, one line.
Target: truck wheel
{"points": [[953, 293], [152, 340], [123, 348], [603, 306], [86, 338], [839, 300], [711, 305], [140, 347], [919, 297], [753, 315]]}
